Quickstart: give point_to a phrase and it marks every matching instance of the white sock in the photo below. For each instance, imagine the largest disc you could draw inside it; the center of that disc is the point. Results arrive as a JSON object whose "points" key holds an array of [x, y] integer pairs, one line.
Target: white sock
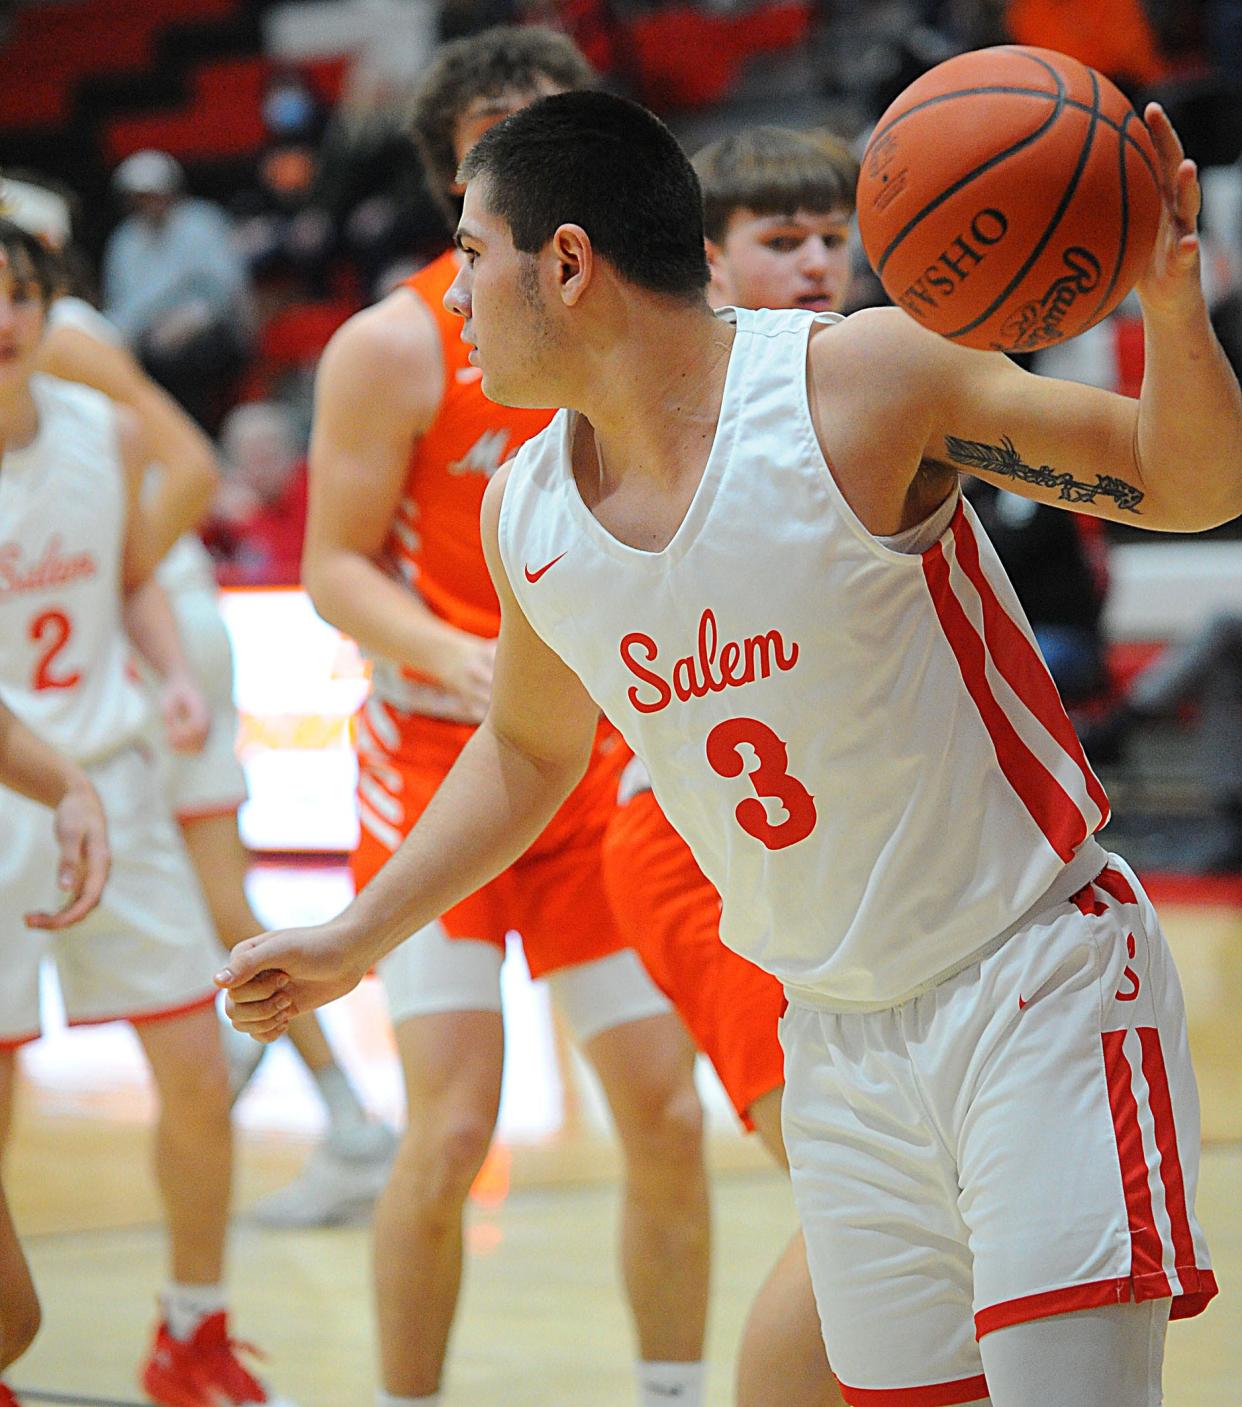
{"points": [[665, 1384], [388, 1399], [344, 1108], [186, 1306]]}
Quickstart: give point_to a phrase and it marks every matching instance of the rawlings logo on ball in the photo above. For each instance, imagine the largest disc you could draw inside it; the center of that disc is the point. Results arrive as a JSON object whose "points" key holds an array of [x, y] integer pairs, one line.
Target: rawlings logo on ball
{"points": [[1037, 323]]}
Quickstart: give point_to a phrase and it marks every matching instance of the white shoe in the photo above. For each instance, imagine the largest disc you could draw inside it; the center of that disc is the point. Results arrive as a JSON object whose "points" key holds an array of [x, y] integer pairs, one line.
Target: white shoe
{"points": [[330, 1189]]}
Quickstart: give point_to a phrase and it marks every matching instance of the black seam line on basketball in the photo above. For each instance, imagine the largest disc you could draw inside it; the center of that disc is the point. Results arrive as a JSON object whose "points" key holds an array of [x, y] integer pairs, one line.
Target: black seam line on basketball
{"points": [[1123, 233], [1052, 72], [1076, 103], [949, 191], [1066, 197]]}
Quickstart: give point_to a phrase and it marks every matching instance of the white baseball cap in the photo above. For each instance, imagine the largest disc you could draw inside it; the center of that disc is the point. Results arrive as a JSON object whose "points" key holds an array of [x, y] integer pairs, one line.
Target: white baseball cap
{"points": [[39, 212], [148, 172]]}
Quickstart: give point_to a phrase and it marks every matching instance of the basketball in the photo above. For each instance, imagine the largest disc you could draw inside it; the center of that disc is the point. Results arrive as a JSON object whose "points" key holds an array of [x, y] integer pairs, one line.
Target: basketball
{"points": [[1009, 198]]}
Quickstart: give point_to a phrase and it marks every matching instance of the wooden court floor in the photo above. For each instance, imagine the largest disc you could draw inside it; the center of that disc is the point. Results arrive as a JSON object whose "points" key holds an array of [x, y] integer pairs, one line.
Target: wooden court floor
{"points": [[541, 1322]]}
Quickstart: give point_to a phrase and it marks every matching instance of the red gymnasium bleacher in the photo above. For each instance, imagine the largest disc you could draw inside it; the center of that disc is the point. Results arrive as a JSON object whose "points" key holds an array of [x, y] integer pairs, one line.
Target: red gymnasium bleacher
{"points": [[54, 46]]}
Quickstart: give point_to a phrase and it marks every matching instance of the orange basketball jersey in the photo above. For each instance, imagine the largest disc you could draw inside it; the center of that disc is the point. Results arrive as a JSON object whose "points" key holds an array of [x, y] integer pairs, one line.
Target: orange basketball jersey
{"points": [[434, 543]]}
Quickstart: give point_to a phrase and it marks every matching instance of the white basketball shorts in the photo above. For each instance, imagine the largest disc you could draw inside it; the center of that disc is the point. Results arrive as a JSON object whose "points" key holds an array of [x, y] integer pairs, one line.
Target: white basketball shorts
{"points": [[146, 953], [1021, 1141], [210, 782]]}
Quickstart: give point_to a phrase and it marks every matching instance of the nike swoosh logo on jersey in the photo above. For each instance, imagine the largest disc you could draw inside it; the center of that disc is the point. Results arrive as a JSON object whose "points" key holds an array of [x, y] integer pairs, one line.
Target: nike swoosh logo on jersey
{"points": [[533, 577], [466, 374]]}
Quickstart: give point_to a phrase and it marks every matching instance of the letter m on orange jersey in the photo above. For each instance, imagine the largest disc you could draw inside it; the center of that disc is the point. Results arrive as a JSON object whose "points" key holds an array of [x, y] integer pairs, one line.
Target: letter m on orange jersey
{"points": [[485, 456]]}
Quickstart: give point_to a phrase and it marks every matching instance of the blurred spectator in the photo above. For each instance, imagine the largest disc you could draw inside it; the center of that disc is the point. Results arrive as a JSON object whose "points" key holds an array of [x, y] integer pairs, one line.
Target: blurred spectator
{"points": [[259, 517], [369, 182], [280, 233], [1204, 672], [1056, 562], [176, 287]]}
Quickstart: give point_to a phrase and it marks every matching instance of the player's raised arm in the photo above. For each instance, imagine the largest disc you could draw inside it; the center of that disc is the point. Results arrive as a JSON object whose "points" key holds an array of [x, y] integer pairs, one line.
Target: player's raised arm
{"points": [[1170, 461], [511, 777]]}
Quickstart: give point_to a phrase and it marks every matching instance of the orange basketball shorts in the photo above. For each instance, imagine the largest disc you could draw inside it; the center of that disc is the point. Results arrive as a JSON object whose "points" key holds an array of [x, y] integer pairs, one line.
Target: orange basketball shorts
{"points": [[669, 913], [553, 896]]}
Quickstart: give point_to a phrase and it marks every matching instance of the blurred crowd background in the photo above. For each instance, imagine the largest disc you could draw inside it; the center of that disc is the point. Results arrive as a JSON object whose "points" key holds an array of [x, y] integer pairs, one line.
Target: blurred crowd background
{"points": [[239, 178]]}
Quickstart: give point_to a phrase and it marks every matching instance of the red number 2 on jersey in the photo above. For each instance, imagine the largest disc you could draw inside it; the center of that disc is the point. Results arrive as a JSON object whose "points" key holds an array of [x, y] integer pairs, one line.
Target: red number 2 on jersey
{"points": [[52, 630], [770, 779]]}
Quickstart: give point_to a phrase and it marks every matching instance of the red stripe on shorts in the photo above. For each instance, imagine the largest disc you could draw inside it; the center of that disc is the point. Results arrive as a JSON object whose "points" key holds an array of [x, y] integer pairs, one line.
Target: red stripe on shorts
{"points": [[1157, 1078], [1146, 1247], [1049, 804], [933, 1395], [1020, 662]]}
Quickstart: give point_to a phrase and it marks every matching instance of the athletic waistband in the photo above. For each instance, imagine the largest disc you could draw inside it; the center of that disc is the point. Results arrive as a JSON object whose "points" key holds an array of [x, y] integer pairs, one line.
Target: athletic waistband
{"points": [[1081, 870]]}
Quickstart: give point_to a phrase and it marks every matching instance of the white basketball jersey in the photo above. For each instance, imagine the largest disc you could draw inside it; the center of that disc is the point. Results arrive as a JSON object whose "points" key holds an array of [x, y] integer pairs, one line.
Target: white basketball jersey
{"points": [[187, 565], [64, 654], [863, 747]]}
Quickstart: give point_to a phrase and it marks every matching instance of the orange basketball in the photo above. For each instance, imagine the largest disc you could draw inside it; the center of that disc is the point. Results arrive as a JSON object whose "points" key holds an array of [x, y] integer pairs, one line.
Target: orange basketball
{"points": [[1009, 198]]}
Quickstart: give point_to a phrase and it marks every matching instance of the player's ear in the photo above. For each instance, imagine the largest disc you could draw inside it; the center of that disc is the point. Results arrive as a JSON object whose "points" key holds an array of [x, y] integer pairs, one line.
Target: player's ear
{"points": [[575, 262], [720, 288]]}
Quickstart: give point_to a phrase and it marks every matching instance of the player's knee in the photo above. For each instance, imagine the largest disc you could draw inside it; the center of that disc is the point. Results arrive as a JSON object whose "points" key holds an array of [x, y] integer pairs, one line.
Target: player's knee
{"points": [[19, 1324], [441, 1157], [671, 1131]]}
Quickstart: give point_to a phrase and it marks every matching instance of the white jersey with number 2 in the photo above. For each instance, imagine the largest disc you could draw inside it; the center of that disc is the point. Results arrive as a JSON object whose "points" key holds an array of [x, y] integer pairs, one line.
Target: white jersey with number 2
{"points": [[862, 746], [64, 654]]}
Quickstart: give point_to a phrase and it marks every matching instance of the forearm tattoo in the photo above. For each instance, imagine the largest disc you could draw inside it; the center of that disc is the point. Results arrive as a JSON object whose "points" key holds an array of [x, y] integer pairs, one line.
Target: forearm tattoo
{"points": [[1004, 460]]}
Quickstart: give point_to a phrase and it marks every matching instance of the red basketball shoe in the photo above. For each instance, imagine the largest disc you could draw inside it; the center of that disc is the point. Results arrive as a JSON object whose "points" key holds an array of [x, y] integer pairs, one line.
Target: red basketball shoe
{"points": [[204, 1371]]}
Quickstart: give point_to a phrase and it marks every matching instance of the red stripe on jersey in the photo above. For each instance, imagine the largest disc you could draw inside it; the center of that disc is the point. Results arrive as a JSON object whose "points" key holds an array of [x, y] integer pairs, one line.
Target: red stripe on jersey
{"points": [[1157, 1078], [1146, 1247], [933, 1395], [1049, 804], [1019, 662], [1113, 882]]}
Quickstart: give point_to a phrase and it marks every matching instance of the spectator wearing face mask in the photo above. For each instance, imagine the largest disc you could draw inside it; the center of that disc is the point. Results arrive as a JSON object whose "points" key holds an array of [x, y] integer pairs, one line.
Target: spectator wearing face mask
{"points": [[176, 286]]}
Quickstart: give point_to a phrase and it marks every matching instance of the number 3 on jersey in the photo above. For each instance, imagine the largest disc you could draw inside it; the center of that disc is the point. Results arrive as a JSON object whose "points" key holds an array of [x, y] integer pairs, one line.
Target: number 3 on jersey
{"points": [[52, 630], [771, 780]]}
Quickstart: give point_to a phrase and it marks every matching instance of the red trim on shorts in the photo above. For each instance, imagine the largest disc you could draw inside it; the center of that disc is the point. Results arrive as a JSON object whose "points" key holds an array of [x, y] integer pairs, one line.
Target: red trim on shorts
{"points": [[147, 1018], [1146, 1246], [1020, 664], [1063, 1301], [1199, 1286], [1049, 805], [1199, 1289], [933, 1395], [208, 813], [16, 1042]]}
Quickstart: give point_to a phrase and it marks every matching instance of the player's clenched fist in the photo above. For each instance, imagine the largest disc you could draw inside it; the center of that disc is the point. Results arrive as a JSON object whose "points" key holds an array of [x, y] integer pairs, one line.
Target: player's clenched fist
{"points": [[277, 976]]}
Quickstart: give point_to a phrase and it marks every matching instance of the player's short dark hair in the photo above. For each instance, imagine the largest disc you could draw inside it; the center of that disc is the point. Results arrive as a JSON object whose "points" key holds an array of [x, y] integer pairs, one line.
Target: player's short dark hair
{"points": [[503, 59], [608, 165], [16, 241], [774, 171]]}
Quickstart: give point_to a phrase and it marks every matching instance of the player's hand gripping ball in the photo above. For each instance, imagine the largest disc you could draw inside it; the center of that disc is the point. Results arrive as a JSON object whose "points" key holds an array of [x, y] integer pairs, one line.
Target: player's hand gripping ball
{"points": [[1009, 198]]}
